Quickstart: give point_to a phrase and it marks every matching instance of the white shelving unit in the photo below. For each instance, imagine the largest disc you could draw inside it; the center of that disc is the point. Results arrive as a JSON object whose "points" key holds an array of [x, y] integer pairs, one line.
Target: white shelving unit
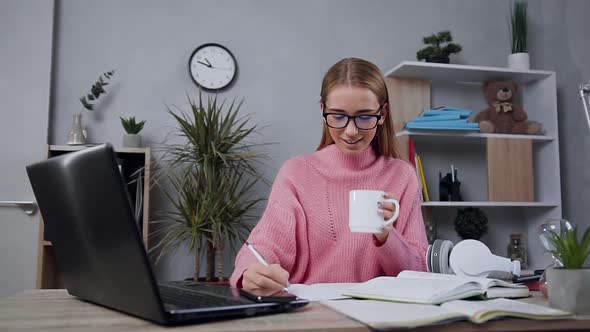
{"points": [[417, 85], [450, 136]]}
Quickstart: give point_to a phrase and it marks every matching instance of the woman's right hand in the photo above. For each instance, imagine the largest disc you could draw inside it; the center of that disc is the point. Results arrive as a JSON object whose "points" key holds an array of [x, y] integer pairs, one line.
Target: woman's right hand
{"points": [[271, 278]]}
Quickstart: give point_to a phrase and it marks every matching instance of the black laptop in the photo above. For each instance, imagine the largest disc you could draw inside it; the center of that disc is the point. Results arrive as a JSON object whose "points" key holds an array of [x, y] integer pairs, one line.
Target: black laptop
{"points": [[88, 216]]}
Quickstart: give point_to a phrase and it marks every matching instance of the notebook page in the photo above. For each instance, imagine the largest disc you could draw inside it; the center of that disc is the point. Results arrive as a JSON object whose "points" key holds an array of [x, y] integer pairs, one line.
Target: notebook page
{"points": [[485, 282], [482, 311], [383, 315], [321, 291], [411, 290]]}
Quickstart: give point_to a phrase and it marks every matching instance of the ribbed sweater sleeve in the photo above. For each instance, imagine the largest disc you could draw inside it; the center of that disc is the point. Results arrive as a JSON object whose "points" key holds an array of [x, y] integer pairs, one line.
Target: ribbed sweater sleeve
{"points": [[274, 237], [406, 245]]}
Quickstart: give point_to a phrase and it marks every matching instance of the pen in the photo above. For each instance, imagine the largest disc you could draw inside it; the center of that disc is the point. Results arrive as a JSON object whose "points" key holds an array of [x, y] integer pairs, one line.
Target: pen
{"points": [[260, 258]]}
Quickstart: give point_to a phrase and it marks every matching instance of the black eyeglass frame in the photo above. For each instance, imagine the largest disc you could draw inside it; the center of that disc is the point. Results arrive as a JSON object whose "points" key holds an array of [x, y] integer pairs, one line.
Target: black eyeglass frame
{"points": [[354, 117]]}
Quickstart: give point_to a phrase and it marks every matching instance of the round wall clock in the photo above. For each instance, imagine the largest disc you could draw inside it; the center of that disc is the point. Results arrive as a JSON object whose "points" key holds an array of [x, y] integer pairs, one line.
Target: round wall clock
{"points": [[212, 66]]}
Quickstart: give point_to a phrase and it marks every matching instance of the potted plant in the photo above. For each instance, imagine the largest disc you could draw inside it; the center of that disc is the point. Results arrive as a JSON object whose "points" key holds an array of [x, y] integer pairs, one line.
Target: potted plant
{"points": [[132, 139], [77, 134], [440, 48], [519, 59], [471, 223], [568, 287], [210, 170]]}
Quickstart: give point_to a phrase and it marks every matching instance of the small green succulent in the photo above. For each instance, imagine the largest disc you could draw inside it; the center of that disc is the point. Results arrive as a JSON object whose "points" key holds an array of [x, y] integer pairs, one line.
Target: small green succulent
{"points": [[569, 250], [131, 126]]}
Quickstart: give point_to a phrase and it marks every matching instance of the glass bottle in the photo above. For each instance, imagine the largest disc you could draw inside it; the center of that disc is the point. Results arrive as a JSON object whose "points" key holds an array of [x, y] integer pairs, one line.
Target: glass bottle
{"points": [[76, 134], [517, 249]]}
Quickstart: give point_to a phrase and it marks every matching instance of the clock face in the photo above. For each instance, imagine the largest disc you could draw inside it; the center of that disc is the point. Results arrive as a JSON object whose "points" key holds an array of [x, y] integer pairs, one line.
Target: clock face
{"points": [[212, 67]]}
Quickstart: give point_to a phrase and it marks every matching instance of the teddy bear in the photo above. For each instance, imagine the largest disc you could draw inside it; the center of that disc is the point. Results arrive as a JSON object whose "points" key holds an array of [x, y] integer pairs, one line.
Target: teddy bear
{"points": [[502, 116]]}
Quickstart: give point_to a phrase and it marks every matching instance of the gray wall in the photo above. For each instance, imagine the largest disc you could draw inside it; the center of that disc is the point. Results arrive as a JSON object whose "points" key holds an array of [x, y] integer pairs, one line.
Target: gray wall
{"points": [[283, 49], [562, 45], [25, 66]]}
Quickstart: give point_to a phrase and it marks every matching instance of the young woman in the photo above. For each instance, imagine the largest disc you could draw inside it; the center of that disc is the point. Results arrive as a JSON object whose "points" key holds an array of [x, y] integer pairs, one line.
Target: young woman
{"points": [[303, 233]]}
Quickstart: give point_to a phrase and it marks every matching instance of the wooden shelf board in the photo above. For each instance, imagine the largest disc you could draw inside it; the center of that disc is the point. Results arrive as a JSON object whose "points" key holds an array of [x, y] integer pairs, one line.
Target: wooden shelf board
{"points": [[66, 148], [47, 243], [464, 73], [462, 135], [489, 204]]}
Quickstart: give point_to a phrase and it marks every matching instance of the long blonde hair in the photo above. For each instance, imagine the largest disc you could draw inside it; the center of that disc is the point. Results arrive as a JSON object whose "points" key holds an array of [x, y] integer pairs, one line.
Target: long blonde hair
{"points": [[361, 73]]}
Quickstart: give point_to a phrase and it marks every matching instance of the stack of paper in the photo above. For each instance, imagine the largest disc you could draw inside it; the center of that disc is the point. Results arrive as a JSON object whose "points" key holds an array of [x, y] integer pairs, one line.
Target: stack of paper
{"points": [[443, 118]]}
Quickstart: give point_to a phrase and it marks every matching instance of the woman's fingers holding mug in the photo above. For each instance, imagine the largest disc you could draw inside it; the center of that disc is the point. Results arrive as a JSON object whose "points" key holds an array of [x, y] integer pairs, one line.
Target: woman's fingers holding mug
{"points": [[386, 209], [387, 213]]}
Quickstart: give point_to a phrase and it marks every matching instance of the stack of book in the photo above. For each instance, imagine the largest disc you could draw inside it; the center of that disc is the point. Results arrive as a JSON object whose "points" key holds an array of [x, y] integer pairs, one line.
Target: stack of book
{"points": [[443, 118]]}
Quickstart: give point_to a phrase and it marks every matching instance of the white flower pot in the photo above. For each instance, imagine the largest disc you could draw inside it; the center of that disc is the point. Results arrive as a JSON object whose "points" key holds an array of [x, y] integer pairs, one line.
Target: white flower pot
{"points": [[569, 289], [132, 140], [519, 61]]}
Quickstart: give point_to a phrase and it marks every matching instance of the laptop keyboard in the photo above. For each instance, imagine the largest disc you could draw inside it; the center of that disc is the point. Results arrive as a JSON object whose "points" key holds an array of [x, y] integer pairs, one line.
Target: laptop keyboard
{"points": [[187, 294]]}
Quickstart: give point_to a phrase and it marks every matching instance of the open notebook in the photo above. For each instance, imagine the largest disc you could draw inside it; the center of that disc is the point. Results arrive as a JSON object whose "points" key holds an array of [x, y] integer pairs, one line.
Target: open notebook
{"points": [[385, 315], [433, 288]]}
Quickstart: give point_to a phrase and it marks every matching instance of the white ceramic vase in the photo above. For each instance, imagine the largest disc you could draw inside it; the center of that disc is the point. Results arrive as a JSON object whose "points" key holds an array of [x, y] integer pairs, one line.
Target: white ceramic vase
{"points": [[519, 61], [569, 289], [76, 135], [132, 140]]}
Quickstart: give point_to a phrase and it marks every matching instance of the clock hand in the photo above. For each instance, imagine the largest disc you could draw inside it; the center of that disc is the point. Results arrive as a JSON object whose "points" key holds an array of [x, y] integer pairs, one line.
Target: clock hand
{"points": [[204, 64], [210, 65]]}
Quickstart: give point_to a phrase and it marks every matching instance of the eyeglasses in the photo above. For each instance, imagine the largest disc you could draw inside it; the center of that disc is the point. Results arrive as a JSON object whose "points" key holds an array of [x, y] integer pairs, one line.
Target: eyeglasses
{"points": [[362, 122]]}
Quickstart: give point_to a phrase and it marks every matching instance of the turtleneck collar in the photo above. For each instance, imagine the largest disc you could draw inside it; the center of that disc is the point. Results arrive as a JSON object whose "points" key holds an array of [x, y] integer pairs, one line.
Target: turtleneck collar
{"points": [[356, 161]]}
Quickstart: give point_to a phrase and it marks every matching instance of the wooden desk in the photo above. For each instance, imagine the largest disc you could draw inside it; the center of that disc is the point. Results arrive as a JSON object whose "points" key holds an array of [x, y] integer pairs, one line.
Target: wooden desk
{"points": [[55, 310]]}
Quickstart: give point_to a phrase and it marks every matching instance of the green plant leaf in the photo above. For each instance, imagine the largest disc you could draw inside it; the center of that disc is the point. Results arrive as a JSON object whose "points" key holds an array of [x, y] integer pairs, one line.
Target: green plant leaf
{"points": [[131, 126], [96, 90], [518, 27], [211, 168], [438, 47], [569, 249]]}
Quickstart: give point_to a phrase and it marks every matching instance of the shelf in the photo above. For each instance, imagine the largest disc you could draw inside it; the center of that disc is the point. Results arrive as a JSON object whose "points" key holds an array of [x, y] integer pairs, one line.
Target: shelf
{"points": [[68, 148], [463, 73], [453, 135], [47, 243], [489, 204]]}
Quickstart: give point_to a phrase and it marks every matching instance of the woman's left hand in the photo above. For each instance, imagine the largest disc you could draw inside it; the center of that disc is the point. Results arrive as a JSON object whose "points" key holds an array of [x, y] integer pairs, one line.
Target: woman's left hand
{"points": [[387, 210]]}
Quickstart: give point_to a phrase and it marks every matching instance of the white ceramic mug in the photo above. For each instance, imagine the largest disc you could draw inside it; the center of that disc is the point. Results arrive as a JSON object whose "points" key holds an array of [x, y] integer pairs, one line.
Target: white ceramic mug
{"points": [[363, 216]]}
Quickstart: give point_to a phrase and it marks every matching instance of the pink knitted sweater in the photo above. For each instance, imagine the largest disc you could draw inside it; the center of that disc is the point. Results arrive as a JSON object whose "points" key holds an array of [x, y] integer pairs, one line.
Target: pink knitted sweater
{"points": [[305, 225]]}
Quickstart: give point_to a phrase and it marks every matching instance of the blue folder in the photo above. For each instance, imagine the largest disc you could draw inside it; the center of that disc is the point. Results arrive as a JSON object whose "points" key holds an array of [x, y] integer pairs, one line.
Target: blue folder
{"points": [[437, 117], [443, 118], [460, 113], [438, 126]]}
